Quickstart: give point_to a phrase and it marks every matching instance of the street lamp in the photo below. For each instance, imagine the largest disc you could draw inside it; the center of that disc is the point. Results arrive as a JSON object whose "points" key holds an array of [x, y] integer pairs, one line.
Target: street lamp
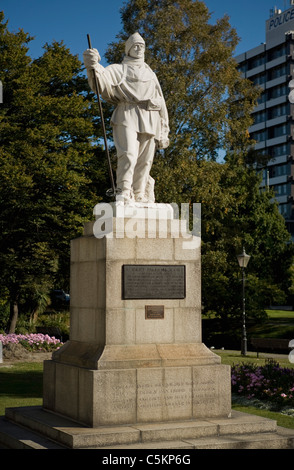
{"points": [[243, 260]]}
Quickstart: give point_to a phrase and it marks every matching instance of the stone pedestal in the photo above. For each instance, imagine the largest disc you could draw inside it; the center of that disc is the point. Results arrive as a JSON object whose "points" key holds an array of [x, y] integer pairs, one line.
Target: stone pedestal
{"points": [[136, 360]]}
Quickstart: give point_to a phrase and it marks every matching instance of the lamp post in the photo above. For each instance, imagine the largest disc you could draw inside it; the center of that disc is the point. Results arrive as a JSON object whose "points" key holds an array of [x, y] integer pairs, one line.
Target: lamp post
{"points": [[243, 260]]}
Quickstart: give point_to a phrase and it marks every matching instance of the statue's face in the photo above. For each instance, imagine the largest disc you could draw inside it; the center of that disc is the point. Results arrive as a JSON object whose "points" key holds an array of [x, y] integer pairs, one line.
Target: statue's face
{"points": [[137, 51]]}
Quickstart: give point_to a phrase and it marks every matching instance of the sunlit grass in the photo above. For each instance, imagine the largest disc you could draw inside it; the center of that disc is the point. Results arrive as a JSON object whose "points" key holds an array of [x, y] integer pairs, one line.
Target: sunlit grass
{"points": [[21, 384]]}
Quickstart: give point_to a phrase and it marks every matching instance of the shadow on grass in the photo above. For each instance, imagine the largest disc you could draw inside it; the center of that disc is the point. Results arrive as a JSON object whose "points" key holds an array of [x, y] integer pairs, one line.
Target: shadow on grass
{"points": [[18, 382]]}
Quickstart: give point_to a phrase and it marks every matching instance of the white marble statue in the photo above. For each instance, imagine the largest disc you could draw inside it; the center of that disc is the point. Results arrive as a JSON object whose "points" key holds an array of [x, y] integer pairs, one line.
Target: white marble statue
{"points": [[140, 119]]}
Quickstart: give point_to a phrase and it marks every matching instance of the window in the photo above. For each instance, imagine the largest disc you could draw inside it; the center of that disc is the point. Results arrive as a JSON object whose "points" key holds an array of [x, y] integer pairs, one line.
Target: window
{"points": [[262, 98], [282, 189], [277, 52], [285, 210], [259, 117], [277, 91], [277, 131], [278, 111], [259, 136], [242, 67], [280, 170], [259, 79], [277, 72], [278, 150], [256, 61]]}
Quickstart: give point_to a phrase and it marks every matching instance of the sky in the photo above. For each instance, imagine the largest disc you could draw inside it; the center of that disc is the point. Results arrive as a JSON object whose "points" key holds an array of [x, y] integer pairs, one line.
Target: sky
{"points": [[72, 20]]}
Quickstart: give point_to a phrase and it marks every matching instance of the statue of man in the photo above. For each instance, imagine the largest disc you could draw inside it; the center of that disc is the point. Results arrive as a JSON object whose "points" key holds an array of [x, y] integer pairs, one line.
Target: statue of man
{"points": [[140, 119]]}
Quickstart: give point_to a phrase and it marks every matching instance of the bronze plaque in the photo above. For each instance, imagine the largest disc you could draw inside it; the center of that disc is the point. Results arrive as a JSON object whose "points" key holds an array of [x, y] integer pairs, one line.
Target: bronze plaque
{"points": [[153, 281], [154, 312]]}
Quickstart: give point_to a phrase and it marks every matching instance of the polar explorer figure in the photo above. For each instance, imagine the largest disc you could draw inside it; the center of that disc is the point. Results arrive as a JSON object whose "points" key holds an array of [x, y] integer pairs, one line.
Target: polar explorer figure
{"points": [[140, 119]]}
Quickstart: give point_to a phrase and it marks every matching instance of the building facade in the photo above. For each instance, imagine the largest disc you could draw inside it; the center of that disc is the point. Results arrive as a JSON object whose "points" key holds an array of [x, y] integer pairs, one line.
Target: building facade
{"points": [[271, 66]]}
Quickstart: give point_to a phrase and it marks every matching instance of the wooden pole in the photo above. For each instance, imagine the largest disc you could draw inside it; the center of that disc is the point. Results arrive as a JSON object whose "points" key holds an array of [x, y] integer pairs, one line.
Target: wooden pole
{"points": [[111, 192]]}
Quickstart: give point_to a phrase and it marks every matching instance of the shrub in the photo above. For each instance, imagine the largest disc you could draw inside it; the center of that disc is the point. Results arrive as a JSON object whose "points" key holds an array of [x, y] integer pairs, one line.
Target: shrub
{"points": [[269, 382], [32, 342]]}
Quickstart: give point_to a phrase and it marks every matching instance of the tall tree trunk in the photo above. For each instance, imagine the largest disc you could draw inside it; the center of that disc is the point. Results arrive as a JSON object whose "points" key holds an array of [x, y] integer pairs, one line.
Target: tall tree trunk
{"points": [[13, 316], [34, 315]]}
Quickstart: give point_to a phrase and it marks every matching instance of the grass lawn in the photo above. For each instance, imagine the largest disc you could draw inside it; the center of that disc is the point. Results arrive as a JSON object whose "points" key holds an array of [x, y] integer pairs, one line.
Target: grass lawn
{"points": [[282, 420], [235, 357], [279, 324], [281, 314], [21, 384]]}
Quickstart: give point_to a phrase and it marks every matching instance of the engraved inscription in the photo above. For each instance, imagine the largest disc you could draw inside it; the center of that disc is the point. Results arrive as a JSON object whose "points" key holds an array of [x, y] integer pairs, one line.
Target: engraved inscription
{"points": [[153, 282], [123, 397], [205, 392], [154, 312], [172, 394]]}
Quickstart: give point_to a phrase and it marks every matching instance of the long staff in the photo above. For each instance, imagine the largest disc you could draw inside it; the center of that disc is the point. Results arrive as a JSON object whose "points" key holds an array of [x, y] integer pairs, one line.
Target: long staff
{"points": [[112, 191]]}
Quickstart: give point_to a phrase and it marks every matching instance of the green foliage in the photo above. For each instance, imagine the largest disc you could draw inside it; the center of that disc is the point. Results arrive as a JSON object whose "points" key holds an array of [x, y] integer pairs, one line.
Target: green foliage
{"points": [[267, 383], [52, 172], [47, 176], [195, 66], [209, 106], [236, 213], [60, 320]]}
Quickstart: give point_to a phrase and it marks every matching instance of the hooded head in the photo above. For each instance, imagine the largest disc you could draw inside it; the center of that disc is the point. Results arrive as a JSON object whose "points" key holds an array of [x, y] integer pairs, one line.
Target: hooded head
{"points": [[133, 39]]}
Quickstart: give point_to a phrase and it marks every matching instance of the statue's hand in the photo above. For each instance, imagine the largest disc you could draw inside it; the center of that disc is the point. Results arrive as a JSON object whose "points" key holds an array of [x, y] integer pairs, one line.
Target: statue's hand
{"points": [[163, 144], [91, 58]]}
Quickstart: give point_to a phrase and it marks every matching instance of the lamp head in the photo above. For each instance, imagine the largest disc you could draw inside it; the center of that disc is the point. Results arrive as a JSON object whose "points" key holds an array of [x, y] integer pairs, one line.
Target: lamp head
{"points": [[243, 259]]}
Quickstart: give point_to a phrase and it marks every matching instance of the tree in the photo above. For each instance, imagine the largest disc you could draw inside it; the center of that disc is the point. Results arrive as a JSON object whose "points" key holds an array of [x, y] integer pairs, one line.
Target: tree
{"points": [[47, 171], [237, 213], [208, 101], [210, 106]]}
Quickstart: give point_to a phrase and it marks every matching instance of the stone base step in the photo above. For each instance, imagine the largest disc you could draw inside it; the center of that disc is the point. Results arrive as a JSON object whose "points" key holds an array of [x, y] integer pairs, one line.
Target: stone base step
{"points": [[274, 440], [13, 436], [34, 428]]}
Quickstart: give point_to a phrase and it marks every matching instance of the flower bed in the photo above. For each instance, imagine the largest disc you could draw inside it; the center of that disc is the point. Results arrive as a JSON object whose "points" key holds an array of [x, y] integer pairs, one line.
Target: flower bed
{"points": [[32, 342], [269, 383]]}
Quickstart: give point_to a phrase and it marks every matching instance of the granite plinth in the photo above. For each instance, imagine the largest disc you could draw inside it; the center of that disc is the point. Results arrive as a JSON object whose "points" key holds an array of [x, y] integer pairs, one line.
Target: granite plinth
{"points": [[34, 428], [121, 366]]}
